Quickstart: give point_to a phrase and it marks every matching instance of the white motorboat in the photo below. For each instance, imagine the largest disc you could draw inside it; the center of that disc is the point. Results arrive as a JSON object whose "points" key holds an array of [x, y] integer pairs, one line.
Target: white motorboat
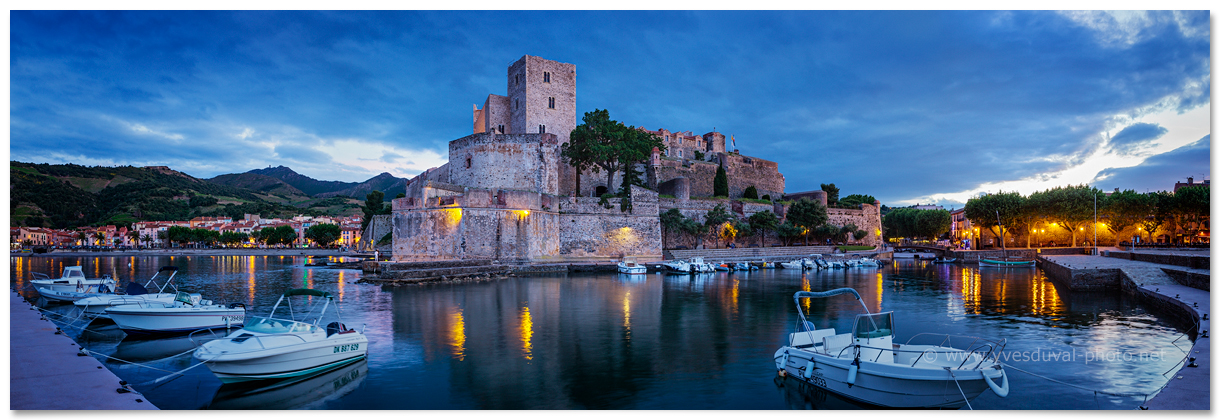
{"points": [[866, 366], [794, 264], [284, 347], [630, 267], [835, 264], [135, 293], [676, 267], [71, 285], [187, 312], [698, 266]]}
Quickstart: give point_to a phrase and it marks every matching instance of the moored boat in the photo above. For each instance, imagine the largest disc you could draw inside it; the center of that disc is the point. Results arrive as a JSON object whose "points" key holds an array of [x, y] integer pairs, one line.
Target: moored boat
{"points": [[1011, 262], [135, 293], [282, 347], [72, 285], [630, 267], [187, 312], [865, 365]]}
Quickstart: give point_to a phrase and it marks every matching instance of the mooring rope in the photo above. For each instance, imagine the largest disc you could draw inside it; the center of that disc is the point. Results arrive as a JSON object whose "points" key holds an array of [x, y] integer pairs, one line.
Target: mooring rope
{"points": [[959, 387], [1095, 391]]}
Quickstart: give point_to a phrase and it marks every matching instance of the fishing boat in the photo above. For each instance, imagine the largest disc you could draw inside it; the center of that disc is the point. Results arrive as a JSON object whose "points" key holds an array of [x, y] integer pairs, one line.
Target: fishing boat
{"points": [[1005, 261], [630, 267], [866, 365], [187, 312], [284, 347], [943, 260], [135, 293], [71, 285]]}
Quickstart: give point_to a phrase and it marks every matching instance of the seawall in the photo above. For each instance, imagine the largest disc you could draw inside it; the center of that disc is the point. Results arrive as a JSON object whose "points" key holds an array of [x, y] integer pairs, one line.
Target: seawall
{"points": [[1190, 387]]}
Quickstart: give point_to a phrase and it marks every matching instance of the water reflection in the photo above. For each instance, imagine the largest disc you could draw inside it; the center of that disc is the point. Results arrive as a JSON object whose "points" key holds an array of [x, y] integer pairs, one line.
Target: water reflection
{"points": [[640, 342], [310, 392]]}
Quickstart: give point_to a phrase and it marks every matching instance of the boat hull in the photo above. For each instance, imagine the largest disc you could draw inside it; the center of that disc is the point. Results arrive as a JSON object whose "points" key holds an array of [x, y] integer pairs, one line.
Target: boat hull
{"points": [[96, 306], [279, 361], [996, 263], [153, 321], [888, 385]]}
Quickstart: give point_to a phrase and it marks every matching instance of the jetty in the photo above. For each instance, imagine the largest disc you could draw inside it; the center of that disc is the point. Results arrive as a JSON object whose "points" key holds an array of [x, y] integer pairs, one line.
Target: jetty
{"points": [[46, 372], [1172, 281]]}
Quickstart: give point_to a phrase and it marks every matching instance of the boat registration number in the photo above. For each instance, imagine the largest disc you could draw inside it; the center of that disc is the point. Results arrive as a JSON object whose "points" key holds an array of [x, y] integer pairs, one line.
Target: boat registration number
{"points": [[818, 381], [347, 347], [240, 318]]}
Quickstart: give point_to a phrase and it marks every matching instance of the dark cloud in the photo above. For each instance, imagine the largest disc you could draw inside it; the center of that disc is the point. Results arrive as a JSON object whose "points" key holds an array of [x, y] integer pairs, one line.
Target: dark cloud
{"points": [[893, 104], [302, 154], [1137, 135], [1160, 172]]}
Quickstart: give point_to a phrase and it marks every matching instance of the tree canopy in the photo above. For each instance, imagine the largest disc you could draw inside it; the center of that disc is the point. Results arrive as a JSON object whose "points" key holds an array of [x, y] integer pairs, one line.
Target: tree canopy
{"points": [[600, 143], [323, 234], [720, 184], [832, 194], [807, 215], [915, 223], [373, 205], [857, 199]]}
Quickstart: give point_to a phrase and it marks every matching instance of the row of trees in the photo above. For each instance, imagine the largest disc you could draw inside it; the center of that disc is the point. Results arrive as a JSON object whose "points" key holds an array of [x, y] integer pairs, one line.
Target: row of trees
{"points": [[805, 219], [915, 223], [1072, 208]]}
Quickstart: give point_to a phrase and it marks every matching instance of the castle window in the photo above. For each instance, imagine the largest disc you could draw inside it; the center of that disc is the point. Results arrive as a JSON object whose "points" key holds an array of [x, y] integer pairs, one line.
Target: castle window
{"points": [[467, 162], [667, 137], [679, 153], [546, 78], [500, 128], [541, 128], [517, 79], [551, 102], [516, 103]]}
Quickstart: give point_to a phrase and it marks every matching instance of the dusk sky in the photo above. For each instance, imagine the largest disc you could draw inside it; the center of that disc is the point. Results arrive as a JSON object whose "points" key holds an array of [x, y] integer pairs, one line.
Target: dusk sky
{"points": [[910, 107]]}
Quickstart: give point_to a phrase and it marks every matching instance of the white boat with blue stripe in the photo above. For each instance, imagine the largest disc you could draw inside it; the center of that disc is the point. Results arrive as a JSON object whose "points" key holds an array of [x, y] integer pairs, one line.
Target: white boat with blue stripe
{"points": [[865, 365], [284, 347]]}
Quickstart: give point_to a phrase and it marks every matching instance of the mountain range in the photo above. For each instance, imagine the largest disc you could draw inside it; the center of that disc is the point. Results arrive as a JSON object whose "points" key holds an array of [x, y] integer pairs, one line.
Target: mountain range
{"points": [[66, 196]]}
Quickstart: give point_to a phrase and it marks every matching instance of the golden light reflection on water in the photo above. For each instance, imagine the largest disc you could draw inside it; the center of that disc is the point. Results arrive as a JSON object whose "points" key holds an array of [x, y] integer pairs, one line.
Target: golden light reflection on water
{"points": [[736, 291], [250, 281], [1043, 299], [627, 312], [805, 287], [457, 334], [971, 283], [527, 333], [341, 281], [880, 287]]}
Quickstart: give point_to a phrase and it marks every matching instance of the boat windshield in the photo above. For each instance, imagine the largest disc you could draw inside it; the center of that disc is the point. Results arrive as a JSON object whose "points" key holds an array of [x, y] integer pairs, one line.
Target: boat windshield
{"points": [[276, 326], [874, 325]]}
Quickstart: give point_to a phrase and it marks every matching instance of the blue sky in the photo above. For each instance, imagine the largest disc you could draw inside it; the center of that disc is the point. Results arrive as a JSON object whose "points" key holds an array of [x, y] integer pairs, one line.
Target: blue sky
{"points": [[909, 107]]}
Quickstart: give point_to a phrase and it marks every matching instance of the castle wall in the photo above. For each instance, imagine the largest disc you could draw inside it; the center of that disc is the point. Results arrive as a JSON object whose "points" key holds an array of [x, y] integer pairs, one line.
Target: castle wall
{"points": [[744, 171], [495, 113], [868, 217], [505, 161], [521, 226]]}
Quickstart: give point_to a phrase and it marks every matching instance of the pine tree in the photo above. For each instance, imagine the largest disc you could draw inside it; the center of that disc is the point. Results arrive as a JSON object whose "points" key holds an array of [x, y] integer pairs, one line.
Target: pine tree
{"points": [[720, 186]]}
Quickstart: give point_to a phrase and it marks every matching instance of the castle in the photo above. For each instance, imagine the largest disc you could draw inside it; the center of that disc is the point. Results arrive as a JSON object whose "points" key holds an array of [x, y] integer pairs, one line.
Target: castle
{"points": [[506, 194]]}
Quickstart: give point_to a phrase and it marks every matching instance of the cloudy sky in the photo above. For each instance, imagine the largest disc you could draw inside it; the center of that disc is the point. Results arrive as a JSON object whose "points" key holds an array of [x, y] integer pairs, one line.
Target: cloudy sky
{"points": [[906, 106]]}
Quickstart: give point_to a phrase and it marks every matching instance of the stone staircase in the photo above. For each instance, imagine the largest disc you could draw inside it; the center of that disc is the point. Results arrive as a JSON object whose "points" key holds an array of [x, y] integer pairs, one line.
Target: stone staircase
{"points": [[754, 254]]}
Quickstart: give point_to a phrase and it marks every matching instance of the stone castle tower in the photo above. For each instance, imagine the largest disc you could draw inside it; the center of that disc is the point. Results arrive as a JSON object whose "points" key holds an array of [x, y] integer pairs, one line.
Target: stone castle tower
{"points": [[541, 99]]}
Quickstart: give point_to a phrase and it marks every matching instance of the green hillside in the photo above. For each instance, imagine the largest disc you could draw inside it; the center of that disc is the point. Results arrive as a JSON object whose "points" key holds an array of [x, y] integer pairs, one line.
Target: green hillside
{"points": [[65, 196]]}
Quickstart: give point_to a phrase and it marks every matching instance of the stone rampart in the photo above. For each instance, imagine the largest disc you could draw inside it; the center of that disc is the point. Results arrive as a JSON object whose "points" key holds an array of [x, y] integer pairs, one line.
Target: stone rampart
{"points": [[746, 171]]}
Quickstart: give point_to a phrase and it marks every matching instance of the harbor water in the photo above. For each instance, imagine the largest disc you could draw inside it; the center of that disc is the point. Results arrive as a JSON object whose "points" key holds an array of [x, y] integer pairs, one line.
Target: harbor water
{"points": [[611, 341]]}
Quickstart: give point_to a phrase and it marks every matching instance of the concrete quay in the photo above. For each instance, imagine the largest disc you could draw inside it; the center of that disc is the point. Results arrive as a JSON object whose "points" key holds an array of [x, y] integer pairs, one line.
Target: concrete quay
{"points": [[1190, 387], [45, 372]]}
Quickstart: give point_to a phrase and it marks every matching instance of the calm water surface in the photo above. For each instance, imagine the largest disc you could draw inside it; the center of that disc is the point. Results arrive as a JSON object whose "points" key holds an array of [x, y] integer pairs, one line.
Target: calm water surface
{"points": [[638, 342]]}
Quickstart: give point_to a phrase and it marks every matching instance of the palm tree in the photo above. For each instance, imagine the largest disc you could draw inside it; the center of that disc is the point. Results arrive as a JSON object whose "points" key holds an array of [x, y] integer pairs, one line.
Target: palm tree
{"points": [[99, 237], [80, 236], [146, 238], [135, 236]]}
